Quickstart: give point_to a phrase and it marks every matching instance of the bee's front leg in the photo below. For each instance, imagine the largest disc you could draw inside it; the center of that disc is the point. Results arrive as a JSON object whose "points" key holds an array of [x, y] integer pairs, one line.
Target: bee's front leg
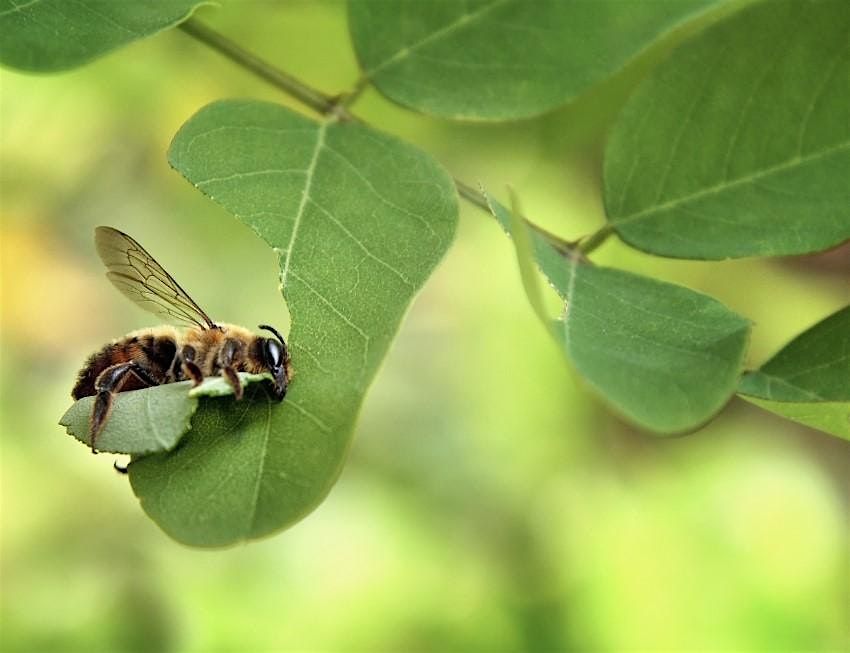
{"points": [[231, 354], [107, 385]]}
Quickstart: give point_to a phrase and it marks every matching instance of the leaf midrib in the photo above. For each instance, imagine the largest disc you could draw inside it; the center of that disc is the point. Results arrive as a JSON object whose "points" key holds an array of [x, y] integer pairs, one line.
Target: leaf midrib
{"points": [[465, 19], [261, 468], [726, 185], [305, 197]]}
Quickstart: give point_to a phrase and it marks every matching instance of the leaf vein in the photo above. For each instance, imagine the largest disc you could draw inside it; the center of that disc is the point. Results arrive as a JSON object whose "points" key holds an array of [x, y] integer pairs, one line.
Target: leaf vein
{"points": [[252, 173], [262, 464], [18, 8], [322, 426], [377, 194], [718, 188], [435, 35], [398, 273]]}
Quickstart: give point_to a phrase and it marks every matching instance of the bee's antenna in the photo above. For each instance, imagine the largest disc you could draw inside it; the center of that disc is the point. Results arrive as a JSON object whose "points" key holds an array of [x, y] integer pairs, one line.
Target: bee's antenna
{"points": [[266, 327]]}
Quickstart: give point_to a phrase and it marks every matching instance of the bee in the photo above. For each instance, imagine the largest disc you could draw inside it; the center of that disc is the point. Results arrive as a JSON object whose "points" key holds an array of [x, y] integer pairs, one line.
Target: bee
{"points": [[166, 354]]}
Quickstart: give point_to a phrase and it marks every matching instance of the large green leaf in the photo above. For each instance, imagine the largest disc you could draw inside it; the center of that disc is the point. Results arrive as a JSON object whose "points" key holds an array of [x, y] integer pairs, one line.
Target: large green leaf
{"points": [[502, 59], [149, 420], [808, 381], [739, 144], [665, 356], [50, 35], [359, 220]]}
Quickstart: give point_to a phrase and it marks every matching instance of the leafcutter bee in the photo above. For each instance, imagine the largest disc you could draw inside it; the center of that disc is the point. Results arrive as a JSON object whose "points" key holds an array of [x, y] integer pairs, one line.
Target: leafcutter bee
{"points": [[167, 354]]}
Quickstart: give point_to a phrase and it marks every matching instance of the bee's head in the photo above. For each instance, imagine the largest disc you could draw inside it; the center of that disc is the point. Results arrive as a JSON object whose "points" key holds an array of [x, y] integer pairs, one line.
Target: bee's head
{"points": [[276, 359]]}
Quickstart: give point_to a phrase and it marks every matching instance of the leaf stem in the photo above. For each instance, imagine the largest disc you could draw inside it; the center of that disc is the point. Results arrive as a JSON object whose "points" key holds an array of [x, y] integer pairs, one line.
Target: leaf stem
{"points": [[327, 105], [290, 85], [477, 198], [594, 240]]}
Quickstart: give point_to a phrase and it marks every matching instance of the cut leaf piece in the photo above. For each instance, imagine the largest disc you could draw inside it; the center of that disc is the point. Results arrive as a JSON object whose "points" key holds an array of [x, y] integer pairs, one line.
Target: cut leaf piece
{"points": [[666, 356], [502, 59], [739, 144], [51, 35], [359, 221], [808, 381], [149, 420]]}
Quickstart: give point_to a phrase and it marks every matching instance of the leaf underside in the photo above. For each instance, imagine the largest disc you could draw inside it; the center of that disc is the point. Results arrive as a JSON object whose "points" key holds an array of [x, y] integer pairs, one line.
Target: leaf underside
{"points": [[808, 380], [502, 59], [739, 144], [53, 35], [359, 220]]}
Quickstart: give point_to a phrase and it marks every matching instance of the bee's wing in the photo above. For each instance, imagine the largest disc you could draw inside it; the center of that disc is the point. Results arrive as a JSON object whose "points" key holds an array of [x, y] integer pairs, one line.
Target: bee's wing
{"points": [[138, 276]]}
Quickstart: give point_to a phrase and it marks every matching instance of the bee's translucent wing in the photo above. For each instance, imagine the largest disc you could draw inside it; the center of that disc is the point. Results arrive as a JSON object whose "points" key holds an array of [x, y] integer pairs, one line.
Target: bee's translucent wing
{"points": [[138, 276]]}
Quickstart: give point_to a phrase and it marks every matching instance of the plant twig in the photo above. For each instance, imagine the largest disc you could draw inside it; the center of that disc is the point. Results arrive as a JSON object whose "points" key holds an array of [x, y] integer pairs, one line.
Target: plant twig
{"points": [[327, 105], [290, 85], [594, 240], [477, 198]]}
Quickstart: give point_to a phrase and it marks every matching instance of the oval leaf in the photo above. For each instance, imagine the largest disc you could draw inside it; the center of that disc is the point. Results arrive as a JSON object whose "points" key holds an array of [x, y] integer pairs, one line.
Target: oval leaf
{"points": [[359, 221], [51, 35], [808, 381], [150, 420], [740, 146], [666, 356], [502, 59]]}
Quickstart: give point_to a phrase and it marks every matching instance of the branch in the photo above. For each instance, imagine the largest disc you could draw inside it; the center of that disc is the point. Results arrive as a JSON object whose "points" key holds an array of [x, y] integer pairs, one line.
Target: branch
{"points": [[326, 105], [290, 85]]}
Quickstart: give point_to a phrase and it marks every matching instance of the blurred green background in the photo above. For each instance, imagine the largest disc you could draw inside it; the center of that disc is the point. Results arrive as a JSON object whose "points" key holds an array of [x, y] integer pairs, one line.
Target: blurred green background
{"points": [[490, 502]]}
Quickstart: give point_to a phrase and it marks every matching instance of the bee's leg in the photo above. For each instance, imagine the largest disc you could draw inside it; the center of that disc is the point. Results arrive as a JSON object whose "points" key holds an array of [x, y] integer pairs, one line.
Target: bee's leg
{"points": [[107, 385], [191, 368], [229, 357]]}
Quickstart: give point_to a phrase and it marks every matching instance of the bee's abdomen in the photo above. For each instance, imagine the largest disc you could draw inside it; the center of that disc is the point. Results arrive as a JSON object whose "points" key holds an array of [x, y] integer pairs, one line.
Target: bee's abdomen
{"points": [[155, 354]]}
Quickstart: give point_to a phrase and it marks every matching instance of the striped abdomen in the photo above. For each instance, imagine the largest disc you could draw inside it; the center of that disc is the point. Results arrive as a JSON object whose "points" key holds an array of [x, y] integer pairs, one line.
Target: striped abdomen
{"points": [[154, 352]]}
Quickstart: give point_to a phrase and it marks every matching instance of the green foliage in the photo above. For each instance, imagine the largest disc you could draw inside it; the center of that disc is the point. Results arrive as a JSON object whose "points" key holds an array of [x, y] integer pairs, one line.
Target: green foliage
{"points": [[359, 220], [51, 35], [808, 381], [665, 356], [150, 420], [502, 59], [737, 145]]}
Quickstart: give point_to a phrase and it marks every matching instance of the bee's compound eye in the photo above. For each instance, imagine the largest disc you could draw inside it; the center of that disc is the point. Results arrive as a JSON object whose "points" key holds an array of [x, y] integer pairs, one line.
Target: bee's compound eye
{"points": [[274, 353]]}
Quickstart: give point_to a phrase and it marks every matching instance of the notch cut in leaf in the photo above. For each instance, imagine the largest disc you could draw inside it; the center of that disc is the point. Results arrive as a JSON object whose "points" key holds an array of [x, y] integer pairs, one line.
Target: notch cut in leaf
{"points": [[54, 35], [736, 145], [808, 380], [150, 420], [359, 220]]}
